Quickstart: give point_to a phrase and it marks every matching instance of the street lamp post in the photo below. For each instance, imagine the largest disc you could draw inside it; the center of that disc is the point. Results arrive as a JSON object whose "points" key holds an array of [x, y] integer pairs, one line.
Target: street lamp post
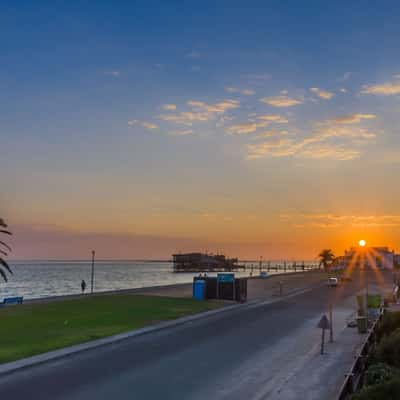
{"points": [[92, 278]]}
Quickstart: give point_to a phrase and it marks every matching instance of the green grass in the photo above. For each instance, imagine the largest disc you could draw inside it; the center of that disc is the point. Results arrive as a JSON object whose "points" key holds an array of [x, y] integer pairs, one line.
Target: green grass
{"points": [[30, 329]]}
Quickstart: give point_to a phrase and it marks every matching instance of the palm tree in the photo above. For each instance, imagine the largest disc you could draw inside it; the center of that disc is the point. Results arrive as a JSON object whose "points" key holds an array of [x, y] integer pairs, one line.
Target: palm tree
{"points": [[4, 249], [326, 258]]}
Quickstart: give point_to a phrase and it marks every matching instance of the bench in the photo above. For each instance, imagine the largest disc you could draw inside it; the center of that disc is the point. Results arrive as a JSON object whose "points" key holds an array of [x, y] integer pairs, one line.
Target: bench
{"points": [[8, 301]]}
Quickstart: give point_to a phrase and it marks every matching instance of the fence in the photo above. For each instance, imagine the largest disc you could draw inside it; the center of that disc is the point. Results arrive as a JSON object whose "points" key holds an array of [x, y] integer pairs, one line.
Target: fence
{"points": [[353, 379]]}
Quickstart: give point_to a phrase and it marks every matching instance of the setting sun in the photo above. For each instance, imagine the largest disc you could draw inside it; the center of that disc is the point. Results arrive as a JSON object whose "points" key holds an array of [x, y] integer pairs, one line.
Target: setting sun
{"points": [[362, 243]]}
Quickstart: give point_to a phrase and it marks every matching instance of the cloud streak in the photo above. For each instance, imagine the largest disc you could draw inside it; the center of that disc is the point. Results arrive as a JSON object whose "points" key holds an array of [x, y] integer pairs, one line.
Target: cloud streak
{"points": [[336, 143], [352, 118], [246, 92], [330, 220], [169, 107], [281, 101], [200, 112], [383, 89], [323, 94], [144, 124]]}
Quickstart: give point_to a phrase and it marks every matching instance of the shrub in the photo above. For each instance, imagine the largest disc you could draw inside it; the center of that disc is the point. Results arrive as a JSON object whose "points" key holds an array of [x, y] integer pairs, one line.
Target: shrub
{"points": [[378, 373], [388, 350], [390, 322], [389, 390]]}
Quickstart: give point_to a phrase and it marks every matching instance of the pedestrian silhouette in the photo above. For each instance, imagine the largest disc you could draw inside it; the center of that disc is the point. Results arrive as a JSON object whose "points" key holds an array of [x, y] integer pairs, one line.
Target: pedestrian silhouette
{"points": [[83, 286]]}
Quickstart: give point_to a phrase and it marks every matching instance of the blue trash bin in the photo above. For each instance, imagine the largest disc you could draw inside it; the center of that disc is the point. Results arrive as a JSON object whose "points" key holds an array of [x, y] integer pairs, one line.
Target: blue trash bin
{"points": [[199, 290]]}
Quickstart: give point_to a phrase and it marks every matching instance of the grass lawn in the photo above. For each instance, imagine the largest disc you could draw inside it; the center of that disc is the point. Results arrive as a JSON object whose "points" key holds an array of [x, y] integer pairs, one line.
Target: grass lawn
{"points": [[30, 329]]}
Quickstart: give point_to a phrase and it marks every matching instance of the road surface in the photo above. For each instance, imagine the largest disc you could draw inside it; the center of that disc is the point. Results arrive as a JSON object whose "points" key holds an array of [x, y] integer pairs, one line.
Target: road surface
{"points": [[234, 355]]}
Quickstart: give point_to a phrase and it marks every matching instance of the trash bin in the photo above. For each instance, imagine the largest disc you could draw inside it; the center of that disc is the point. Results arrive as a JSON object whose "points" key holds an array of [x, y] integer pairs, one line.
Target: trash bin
{"points": [[362, 324], [199, 289]]}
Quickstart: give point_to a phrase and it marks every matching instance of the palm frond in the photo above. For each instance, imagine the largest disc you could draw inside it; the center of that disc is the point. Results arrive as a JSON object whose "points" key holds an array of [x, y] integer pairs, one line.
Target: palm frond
{"points": [[5, 265], [3, 252], [3, 274], [6, 232], [5, 245], [2, 223]]}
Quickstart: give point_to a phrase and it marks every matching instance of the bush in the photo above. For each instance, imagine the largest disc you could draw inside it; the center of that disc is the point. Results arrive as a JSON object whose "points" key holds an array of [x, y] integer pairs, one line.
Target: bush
{"points": [[378, 373], [390, 322], [389, 390], [388, 350]]}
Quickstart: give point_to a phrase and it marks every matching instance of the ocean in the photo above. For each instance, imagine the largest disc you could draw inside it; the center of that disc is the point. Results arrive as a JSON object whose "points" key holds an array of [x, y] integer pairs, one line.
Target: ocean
{"points": [[37, 279]]}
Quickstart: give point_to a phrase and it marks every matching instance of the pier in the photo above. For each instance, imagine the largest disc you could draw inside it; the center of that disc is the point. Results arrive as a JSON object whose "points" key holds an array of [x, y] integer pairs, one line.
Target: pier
{"points": [[199, 262]]}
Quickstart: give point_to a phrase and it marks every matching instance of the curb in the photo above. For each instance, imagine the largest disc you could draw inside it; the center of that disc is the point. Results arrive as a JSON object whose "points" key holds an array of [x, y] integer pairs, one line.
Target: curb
{"points": [[13, 366]]}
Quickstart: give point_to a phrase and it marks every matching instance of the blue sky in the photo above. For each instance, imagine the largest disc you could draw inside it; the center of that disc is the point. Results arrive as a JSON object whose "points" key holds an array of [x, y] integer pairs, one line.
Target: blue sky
{"points": [[177, 119]]}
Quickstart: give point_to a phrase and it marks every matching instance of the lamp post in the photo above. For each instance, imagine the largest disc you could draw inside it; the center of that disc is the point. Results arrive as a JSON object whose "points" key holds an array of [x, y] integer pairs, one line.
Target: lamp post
{"points": [[92, 278]]}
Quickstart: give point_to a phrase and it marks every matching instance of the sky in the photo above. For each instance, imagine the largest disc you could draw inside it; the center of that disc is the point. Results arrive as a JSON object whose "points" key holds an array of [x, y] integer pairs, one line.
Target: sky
{"points": [[143, 128]]}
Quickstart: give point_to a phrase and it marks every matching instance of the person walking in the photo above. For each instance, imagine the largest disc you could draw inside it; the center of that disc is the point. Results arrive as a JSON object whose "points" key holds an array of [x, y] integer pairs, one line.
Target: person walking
{"points": [[83, 286]]}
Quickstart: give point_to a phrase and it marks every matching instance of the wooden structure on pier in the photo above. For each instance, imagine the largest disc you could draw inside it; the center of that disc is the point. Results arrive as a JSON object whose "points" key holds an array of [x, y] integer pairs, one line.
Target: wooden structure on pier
{"points": [[200, 262]]}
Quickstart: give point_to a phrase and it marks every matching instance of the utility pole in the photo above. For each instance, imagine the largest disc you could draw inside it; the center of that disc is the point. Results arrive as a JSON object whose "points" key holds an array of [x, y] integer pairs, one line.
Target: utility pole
{"points": [[330, 323], [92, 279]]}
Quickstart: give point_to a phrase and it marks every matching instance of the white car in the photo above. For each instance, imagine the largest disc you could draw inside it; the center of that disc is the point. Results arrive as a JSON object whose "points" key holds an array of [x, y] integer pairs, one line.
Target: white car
{"points": [[333, 282]]}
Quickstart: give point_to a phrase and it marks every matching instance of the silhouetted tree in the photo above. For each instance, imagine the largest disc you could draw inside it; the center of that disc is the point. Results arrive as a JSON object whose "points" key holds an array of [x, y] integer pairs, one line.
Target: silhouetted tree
{"points": [[326, 258], [4, 249]]}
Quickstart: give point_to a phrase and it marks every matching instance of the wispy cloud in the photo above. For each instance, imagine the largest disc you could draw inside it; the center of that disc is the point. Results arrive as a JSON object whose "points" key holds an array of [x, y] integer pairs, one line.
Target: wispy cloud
{"points": [[181, 132], [169, 107], [246, 92], [330, 220], [330, 151], [272, 133], [323, 94], [352, 118], [383, 89], [277, 148], [144, 124], [323, 143], [246, 128], [273, 118], [219, 107], [200, 112], [185, 118], [281, 101]]}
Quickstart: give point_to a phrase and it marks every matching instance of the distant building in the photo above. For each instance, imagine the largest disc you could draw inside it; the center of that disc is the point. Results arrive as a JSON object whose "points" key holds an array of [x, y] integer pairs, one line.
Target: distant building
{"points": [[372, 257], [200, 262]]}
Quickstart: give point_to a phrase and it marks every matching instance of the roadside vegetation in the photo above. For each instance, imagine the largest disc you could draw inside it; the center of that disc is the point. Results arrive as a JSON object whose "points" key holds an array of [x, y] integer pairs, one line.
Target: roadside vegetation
{"points": [[4, 250], [29, 329], [382, 378]]}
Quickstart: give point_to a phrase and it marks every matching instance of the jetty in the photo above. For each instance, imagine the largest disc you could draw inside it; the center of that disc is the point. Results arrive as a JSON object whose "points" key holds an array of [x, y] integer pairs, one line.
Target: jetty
{"points": [[202, 262]]}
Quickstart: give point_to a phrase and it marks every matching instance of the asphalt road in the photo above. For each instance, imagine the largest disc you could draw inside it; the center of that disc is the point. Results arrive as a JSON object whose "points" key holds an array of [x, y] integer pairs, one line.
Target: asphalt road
{"points": [[178, 363]]}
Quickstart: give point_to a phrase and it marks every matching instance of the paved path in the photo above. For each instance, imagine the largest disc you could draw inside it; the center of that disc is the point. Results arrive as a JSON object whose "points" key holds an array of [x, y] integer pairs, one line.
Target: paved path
{"points": [[236, 355]]}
